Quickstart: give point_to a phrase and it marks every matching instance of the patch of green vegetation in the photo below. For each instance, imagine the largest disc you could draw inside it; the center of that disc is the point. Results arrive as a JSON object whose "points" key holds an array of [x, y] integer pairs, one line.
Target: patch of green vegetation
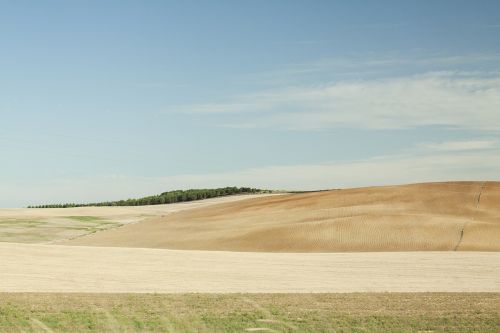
{"points": [[25, 223], [421, 312], [90, 224], [24, 237], [13, 317], [85, 218], [48, 229]]}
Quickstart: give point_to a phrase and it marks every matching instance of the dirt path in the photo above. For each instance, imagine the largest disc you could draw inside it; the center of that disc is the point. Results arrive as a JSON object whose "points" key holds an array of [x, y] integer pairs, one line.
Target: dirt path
{"points": [[477, 201], [52, 268]]}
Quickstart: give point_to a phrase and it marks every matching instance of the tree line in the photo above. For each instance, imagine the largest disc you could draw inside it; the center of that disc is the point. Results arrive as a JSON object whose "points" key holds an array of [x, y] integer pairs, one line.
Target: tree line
{"points": [[166, 197]]}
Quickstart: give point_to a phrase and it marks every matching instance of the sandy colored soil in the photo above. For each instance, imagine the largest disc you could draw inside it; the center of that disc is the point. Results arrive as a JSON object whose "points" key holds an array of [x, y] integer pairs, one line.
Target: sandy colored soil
{"points": [[53, 268], [55, 224], [463, 216]]}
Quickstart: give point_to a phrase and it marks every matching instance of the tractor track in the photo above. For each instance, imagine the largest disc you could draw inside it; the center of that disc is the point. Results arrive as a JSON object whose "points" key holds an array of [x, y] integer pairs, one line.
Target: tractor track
{"points": [[478, 202]]}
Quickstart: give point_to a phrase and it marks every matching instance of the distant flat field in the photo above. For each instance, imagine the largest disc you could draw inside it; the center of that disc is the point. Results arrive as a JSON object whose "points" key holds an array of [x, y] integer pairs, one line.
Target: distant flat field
{"points": [[451, 216], [47, 225], [224, 313], [55, 268]]}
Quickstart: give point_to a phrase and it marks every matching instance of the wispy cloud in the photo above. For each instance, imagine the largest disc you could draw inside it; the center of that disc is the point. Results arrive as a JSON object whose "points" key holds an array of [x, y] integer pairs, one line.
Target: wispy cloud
{"points": [[460, 145], [361, 65], [449, 99]]}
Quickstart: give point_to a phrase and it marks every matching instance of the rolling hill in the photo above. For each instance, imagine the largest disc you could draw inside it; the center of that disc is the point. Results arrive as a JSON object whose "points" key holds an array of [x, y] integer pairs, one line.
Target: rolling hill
{"points": [[462, 216]]}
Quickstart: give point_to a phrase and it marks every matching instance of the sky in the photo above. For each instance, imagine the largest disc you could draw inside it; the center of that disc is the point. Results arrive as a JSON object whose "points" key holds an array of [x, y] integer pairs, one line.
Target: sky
{"points": [[105, 100]]}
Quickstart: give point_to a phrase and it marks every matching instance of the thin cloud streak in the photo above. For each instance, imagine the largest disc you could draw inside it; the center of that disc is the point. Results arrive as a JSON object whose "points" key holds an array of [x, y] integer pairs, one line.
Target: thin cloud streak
{"points": [[360, 66], [460, 145]]}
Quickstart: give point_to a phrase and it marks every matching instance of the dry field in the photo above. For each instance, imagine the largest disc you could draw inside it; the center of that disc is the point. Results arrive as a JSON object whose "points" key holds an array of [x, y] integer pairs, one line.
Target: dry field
{"points": [[462, 216], [55, 268]]}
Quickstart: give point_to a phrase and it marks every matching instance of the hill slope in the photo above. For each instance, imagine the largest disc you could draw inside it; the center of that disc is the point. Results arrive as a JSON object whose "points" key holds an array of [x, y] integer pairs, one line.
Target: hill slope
{"points": [[419, 217]]}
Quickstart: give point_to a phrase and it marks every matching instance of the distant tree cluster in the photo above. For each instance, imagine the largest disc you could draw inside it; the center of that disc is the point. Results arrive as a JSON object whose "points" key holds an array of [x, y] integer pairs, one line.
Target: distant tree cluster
{"points": [[166, 197]]}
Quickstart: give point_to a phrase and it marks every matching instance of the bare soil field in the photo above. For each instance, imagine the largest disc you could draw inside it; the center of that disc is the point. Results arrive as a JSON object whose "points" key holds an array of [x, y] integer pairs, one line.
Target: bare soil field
{"points": [[452, 216], [52, 224], [56, 268], [360, 312]]}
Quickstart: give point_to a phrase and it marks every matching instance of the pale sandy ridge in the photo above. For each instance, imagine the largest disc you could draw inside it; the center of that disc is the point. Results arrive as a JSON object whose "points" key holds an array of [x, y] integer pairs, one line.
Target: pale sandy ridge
{"points": [[51, 268], [460, 216]]}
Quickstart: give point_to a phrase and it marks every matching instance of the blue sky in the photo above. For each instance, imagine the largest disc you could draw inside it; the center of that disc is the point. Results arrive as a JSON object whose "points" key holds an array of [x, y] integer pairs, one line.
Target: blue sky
{"points": [[114, 99]]}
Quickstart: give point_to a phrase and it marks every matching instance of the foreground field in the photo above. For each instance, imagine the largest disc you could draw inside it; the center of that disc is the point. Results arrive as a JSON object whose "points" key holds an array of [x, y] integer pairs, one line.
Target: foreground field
{"points": [[460, 216], [55, 224], [52, 268], [423, 312]]}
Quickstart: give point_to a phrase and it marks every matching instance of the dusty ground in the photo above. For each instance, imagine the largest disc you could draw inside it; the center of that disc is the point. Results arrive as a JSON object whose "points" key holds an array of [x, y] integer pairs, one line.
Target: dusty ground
{"points": [[53, 224], [305, 313], [53, 268], [463, 216]]}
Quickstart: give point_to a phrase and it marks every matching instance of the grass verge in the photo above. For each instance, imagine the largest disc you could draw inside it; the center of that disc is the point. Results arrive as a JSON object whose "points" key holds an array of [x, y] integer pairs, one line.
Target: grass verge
{"points": [[359, 312]]}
